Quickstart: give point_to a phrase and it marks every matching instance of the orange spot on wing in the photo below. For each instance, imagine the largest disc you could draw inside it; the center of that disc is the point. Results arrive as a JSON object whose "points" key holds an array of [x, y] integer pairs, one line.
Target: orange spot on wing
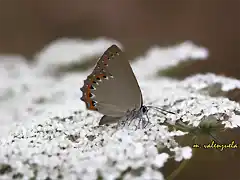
{"points": [[88, 99], [88, 91]]}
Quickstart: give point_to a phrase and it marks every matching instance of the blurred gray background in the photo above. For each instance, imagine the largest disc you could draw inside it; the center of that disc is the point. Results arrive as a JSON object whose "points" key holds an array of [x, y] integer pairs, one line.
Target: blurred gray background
{"points": [[27, 25]]}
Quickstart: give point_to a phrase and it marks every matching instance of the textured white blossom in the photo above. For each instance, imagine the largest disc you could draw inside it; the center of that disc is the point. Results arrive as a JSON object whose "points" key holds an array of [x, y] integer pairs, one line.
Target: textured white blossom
{"points": [[205, 80], [182, 153], [47, 133], [160, 58], [161, 159]]}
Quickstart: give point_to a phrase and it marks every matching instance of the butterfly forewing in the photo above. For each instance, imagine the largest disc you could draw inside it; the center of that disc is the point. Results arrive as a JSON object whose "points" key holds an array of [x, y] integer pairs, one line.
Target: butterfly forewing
{"points": [[112, 85]]}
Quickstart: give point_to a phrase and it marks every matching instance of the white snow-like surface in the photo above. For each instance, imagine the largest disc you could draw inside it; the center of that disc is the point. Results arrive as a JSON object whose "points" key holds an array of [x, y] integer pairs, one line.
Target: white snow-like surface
{"points": [[46, 131]]}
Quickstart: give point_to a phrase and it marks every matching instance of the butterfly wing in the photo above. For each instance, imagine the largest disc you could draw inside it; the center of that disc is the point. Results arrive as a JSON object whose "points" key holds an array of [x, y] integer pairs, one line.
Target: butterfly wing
{"points": [[108, 120], [112, 88]]}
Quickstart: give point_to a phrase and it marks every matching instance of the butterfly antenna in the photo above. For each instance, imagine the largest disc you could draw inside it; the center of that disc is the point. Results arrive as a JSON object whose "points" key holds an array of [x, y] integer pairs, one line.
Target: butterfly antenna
{"points": [[161, 110], [214, 138]]}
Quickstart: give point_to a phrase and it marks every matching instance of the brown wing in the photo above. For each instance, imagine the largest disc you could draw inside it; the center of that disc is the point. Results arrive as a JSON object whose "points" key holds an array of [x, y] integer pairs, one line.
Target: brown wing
{"points": [[112, 88]]}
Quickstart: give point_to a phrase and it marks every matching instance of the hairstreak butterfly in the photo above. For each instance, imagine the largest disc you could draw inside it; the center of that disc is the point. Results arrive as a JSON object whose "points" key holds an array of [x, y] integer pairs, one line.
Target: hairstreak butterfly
{"points": [[112, 89]]}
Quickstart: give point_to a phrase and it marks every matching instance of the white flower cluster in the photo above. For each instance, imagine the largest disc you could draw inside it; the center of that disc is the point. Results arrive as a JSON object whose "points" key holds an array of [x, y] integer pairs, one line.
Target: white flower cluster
{"points": [[57, 138], [72, 148]]}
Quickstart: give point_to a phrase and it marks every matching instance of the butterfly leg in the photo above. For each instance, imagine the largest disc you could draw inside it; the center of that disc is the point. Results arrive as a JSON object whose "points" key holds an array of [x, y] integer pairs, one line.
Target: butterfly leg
{"points": [[121, 123], [130, 121], [141, 123], [147, 122]]}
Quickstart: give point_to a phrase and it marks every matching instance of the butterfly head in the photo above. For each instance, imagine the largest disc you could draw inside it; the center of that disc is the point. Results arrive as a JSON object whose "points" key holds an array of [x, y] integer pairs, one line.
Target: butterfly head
{"points": [[144, 109]]}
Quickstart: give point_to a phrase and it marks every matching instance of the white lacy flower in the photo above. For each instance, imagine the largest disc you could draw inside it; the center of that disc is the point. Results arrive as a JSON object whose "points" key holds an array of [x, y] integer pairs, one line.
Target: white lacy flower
{"points": [[56, 136], [182, 153], [161, 159]]}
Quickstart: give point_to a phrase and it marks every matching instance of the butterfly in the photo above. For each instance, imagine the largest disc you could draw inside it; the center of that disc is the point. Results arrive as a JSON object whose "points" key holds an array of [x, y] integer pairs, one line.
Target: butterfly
{"points": [[112, 89]]}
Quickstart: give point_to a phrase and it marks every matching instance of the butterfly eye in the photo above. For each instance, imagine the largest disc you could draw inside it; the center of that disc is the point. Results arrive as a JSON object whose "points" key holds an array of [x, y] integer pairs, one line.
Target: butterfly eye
{"points": [[144, 109]]}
